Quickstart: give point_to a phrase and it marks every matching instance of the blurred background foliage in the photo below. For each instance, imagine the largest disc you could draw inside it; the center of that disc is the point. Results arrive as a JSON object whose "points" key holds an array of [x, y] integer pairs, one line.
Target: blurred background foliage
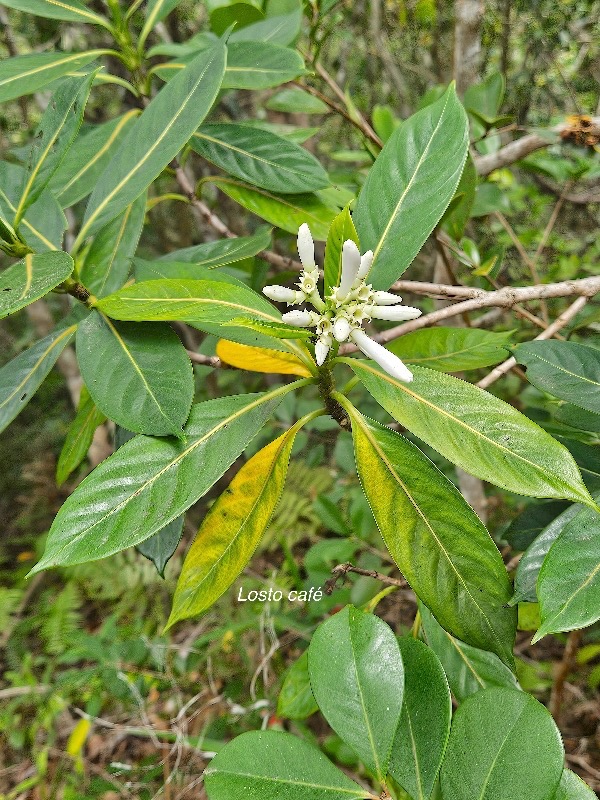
{"points": [[85, 643]]}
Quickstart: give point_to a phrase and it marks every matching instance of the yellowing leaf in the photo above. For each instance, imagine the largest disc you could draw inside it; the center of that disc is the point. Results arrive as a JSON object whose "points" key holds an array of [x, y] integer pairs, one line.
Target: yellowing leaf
{"points": [[258, 359], [78, 737], [233, 527]]}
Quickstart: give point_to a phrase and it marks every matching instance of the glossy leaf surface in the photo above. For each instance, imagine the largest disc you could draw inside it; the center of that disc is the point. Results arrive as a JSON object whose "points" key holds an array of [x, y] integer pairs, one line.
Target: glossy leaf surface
{"points": [[24, 75], [451, 349], [32, 278]]}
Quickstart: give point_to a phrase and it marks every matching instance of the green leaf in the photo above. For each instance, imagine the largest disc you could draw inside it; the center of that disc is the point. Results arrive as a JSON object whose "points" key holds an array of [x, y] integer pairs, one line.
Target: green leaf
{"points": [[422, 734], [571, 787], [452, 349], [281, 29], [239, 14], [503, 743], [90, 153], [458, 212], [232, 529], [259, 65], [436, 539], [578, 418], [55, 134], [207, 305], [156, 10], [533, 558], [21, 377], [279, 330], [467, 668], [32, 278], [568, 586], [260, 158], [79, 436], [268, 765], [107, 262], [162, 545], [287, 212], [296, 101], [44, 223], [410, 186], [485, 98], [567, 370], [138, 374], [179, 270], [155, 138], [528, 525], [24, 75], [68, 10], [225, 251], [149, 482], [296, 700], [357, 679], [476, 431], [341, 229]]}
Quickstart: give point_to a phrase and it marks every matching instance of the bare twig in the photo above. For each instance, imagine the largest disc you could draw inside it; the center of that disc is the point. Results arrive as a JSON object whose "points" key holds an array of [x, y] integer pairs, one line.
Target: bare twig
{"points": [[341, 570], [558, 323], [206, 361]]}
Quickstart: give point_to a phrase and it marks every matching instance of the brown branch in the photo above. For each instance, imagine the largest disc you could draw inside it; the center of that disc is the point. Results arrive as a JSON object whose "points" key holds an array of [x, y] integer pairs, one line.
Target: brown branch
{"points": [[341, 570], [558, 323], [207, 361], [561, 673]]}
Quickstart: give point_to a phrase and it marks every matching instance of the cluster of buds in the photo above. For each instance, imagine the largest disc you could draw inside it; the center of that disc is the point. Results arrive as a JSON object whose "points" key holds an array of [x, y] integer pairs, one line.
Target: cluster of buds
{"points": [[341, 315]]}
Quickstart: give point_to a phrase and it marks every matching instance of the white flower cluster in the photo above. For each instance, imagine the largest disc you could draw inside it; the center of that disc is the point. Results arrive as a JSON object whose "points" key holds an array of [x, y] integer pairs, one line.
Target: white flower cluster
{"points": [[341, 315]]}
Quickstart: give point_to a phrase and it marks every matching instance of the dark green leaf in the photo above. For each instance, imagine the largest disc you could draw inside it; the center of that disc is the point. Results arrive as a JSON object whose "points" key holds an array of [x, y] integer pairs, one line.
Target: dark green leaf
{"points": [[21, 377], [295, 101], [476, 431], [571, 787], [151, 144], [32, 278], [410, 186], [150, 482], [24, 75], [260, 158], [259, 65], [161, 545], [357, 679], [567, 370], [422, 734], [69, 10], [533, 558], [467, 668], [270, 765], [280, 29], [287, 212], [568, 586], [224, 251], [577, 417], [503, 744], [138, 374], [296, 700], [90, 153], [436, 539], [79, 436], [107, 262], [452, 349], [528, 525]]}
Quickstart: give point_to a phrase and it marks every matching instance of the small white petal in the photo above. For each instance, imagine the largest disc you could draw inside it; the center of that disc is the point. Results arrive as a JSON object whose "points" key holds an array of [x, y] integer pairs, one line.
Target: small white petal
{"points": [[365, 265], [341, 329], [350, 265], [388, 361], [300, 319], [281, 294], [386, 298], [395, 313], [321, 350], [306, 247]]}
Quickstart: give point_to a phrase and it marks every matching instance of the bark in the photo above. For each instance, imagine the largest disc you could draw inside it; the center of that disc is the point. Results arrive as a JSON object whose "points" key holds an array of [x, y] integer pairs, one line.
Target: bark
{"points": [[468, 17]]}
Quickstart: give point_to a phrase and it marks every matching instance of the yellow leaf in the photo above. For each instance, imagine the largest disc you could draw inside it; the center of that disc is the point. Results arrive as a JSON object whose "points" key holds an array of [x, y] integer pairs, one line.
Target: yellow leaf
{"points": [[78, 737], [259, 359]]}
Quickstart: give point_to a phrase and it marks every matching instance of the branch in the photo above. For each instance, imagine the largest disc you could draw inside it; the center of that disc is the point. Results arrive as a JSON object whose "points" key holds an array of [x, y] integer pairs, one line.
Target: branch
{"points": [[558, 323], [340, 572], [501, 298]]}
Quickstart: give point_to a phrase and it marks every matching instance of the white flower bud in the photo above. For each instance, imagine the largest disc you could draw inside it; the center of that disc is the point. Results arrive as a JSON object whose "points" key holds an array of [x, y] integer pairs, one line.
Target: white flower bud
{"points": [[308, 281], [350, 264], [388, 361], [395, 313], [321, 349], [281, 294], [306, 247], [341, 329], [300, 319], [365, 265], [385, 298]]}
